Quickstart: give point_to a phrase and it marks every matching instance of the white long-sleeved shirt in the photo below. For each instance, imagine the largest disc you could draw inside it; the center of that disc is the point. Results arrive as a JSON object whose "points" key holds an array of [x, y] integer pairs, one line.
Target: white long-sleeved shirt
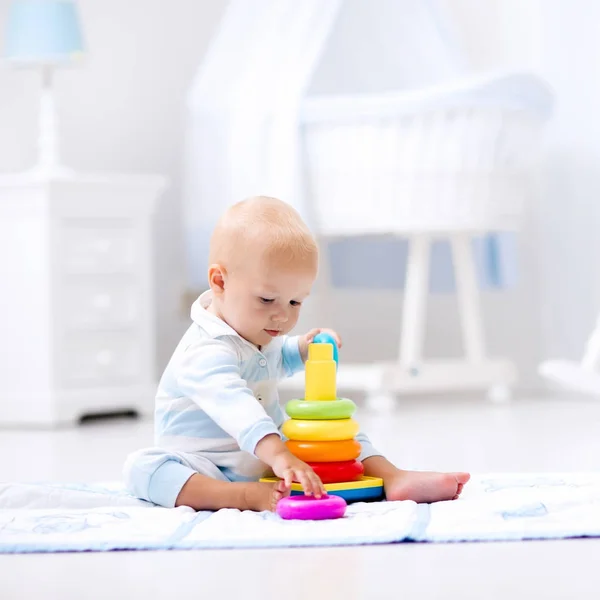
{"points": [[218, 395]]}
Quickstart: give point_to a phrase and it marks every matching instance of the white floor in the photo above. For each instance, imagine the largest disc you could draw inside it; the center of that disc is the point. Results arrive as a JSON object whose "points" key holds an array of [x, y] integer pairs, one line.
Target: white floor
{"points": [[470, 434]]}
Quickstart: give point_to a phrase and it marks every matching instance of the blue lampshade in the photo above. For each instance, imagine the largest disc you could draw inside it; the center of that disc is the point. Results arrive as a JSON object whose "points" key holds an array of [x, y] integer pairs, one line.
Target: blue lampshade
{"points": [[43, 31]]}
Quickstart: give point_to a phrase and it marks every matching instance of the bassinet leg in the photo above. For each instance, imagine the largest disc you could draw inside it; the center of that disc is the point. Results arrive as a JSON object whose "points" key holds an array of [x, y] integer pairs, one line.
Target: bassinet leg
{"points": [[467, 292], [469, 306], [412, 372], [416, 288], [412, 334]]}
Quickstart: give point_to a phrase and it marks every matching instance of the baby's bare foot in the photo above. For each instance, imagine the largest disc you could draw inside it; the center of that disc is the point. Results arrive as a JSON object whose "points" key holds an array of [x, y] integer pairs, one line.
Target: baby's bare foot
{"points": [[426, 486], [263, 496]]}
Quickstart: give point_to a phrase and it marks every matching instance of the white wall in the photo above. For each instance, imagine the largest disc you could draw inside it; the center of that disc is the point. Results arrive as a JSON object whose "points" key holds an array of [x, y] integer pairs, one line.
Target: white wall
{"points": [[387, 45], [570, 59], [498, 34], [123, 111]]}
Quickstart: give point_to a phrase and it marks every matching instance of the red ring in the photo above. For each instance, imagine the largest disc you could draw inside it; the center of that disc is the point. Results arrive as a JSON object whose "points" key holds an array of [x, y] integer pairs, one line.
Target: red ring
{"points": [[338, 472]]}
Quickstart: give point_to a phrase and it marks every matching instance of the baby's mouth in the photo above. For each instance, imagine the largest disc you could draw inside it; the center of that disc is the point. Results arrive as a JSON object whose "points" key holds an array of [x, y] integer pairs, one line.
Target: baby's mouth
{"points": [[273, 332]]}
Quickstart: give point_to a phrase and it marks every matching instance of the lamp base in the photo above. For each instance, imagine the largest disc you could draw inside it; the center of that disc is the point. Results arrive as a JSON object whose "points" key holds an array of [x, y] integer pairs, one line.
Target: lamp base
{"points": [[48, 166]]}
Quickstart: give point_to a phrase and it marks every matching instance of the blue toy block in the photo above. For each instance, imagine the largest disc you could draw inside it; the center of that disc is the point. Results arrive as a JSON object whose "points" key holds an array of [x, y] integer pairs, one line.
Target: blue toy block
{"points": [[327, 338]]}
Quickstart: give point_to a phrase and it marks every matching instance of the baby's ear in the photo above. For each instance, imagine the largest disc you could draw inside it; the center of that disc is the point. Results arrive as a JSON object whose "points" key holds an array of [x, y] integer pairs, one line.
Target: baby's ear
{"points": [[216, 279]]}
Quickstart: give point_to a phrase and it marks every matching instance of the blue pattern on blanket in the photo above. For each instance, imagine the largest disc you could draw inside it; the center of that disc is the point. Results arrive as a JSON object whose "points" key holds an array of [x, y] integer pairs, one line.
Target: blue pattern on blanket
{"points": [[68, 517]]}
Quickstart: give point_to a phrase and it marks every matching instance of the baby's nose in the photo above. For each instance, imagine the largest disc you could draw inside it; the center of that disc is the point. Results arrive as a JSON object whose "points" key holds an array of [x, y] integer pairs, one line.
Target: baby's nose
{"points": [[280, 317]]}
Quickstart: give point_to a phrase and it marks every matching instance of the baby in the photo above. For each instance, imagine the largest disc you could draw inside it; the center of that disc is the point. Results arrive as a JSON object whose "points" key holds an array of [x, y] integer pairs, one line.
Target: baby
{"points": [[218, 417]]}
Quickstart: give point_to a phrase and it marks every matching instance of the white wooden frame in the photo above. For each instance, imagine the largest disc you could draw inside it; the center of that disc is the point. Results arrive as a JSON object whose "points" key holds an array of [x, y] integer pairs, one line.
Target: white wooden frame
{"points": [[583, 376]]}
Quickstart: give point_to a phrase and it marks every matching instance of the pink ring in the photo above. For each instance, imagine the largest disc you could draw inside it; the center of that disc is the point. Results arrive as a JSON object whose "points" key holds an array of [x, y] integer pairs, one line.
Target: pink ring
{"points": [[309, 508]]}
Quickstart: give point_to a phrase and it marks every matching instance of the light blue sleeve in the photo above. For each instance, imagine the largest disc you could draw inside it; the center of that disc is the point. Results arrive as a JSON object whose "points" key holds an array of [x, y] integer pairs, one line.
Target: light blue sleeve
{"points": [[209, 374], [291, 359], [367, 449], [280, 417]]}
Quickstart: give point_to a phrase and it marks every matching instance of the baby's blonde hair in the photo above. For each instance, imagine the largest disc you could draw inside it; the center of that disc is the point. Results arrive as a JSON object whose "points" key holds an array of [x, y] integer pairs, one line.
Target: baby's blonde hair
{"points": [[265, 226]]}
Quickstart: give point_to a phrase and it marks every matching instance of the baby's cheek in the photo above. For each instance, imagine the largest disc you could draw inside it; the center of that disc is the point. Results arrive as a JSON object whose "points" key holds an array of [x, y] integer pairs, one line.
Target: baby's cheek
{"points": [[293, 319], [261, 312]]}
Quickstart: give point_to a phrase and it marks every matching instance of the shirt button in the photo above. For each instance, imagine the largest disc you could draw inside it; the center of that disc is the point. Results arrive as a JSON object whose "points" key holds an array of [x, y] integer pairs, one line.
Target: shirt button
{"points": [[262, 362]]}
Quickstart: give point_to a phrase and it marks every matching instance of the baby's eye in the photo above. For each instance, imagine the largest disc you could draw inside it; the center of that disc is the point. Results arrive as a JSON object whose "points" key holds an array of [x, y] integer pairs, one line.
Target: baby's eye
{"points": [[295, 303], [266, 300]]}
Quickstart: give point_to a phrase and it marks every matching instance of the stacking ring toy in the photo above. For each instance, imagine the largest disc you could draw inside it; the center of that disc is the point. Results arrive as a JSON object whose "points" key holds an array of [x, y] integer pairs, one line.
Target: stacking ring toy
{"points": [[327, 338], [365, 489], [309, 508], [324, 451], [326, 431], [342, 408], [338, 472]]}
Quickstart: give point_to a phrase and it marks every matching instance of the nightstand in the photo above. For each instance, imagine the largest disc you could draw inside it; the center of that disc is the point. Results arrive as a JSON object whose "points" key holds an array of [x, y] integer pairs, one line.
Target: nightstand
{"points": [[77, 323]]}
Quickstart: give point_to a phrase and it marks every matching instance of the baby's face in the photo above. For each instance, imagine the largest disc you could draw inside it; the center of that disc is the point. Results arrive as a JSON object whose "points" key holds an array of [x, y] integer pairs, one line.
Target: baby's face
{"points": [[263, 301]]}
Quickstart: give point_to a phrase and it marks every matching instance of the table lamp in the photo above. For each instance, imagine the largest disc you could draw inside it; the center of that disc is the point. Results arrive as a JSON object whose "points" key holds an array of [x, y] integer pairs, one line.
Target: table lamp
{"points": [[44, 34]]}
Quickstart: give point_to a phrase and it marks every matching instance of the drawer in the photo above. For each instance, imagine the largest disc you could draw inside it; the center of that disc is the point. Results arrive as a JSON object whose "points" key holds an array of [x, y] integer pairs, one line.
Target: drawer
{"points": [[100, 358], [98, 247], [99, 304]]}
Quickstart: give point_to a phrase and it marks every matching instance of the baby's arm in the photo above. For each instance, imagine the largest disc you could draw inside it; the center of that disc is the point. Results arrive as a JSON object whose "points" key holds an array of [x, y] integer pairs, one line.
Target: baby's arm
{"points": [[273, 451], [294, 350], [209, 375], [291, 361]]}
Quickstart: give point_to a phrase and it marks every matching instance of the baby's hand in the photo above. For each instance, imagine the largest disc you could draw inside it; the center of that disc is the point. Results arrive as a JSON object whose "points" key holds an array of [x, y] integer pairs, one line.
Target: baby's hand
{"points": [[307, 339], [290, 469]]}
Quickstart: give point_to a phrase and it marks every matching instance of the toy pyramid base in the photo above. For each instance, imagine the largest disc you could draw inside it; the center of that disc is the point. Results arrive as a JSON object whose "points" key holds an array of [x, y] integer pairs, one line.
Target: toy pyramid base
{"points": [[365, 489]]}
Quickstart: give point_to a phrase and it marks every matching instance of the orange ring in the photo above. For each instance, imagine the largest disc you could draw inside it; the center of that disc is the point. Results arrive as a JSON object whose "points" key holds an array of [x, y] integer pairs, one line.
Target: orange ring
{"points": [[324, 451]]}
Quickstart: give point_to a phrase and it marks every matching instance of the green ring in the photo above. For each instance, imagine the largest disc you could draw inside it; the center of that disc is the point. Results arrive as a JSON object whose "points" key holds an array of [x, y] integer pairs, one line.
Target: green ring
{"points": [[342, 408]]}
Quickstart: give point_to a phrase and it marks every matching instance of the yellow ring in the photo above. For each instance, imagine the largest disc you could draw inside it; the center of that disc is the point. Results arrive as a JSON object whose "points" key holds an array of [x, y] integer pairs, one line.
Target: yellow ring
{"points": [[320, 431]]}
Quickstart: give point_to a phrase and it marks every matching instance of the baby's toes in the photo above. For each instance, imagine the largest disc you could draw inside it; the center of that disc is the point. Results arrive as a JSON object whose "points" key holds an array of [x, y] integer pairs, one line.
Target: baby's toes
{"points": [[279, 491], [275, 498], [282, 489], [462, 478]]}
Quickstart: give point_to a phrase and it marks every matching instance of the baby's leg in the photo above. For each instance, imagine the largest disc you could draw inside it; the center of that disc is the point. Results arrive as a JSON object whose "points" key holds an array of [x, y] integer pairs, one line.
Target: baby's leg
{"points": [[419, 486], [426, 486], [180, 479], [205, 493]]}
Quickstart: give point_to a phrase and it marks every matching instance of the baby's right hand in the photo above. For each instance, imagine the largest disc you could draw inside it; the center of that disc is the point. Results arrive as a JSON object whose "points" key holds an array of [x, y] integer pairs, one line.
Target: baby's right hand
{"points": [[290, 468]]}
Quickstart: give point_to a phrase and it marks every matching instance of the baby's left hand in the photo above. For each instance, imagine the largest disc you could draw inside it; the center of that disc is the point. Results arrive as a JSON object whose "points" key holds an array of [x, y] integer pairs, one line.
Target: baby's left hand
{"points": [[307, 338]]}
